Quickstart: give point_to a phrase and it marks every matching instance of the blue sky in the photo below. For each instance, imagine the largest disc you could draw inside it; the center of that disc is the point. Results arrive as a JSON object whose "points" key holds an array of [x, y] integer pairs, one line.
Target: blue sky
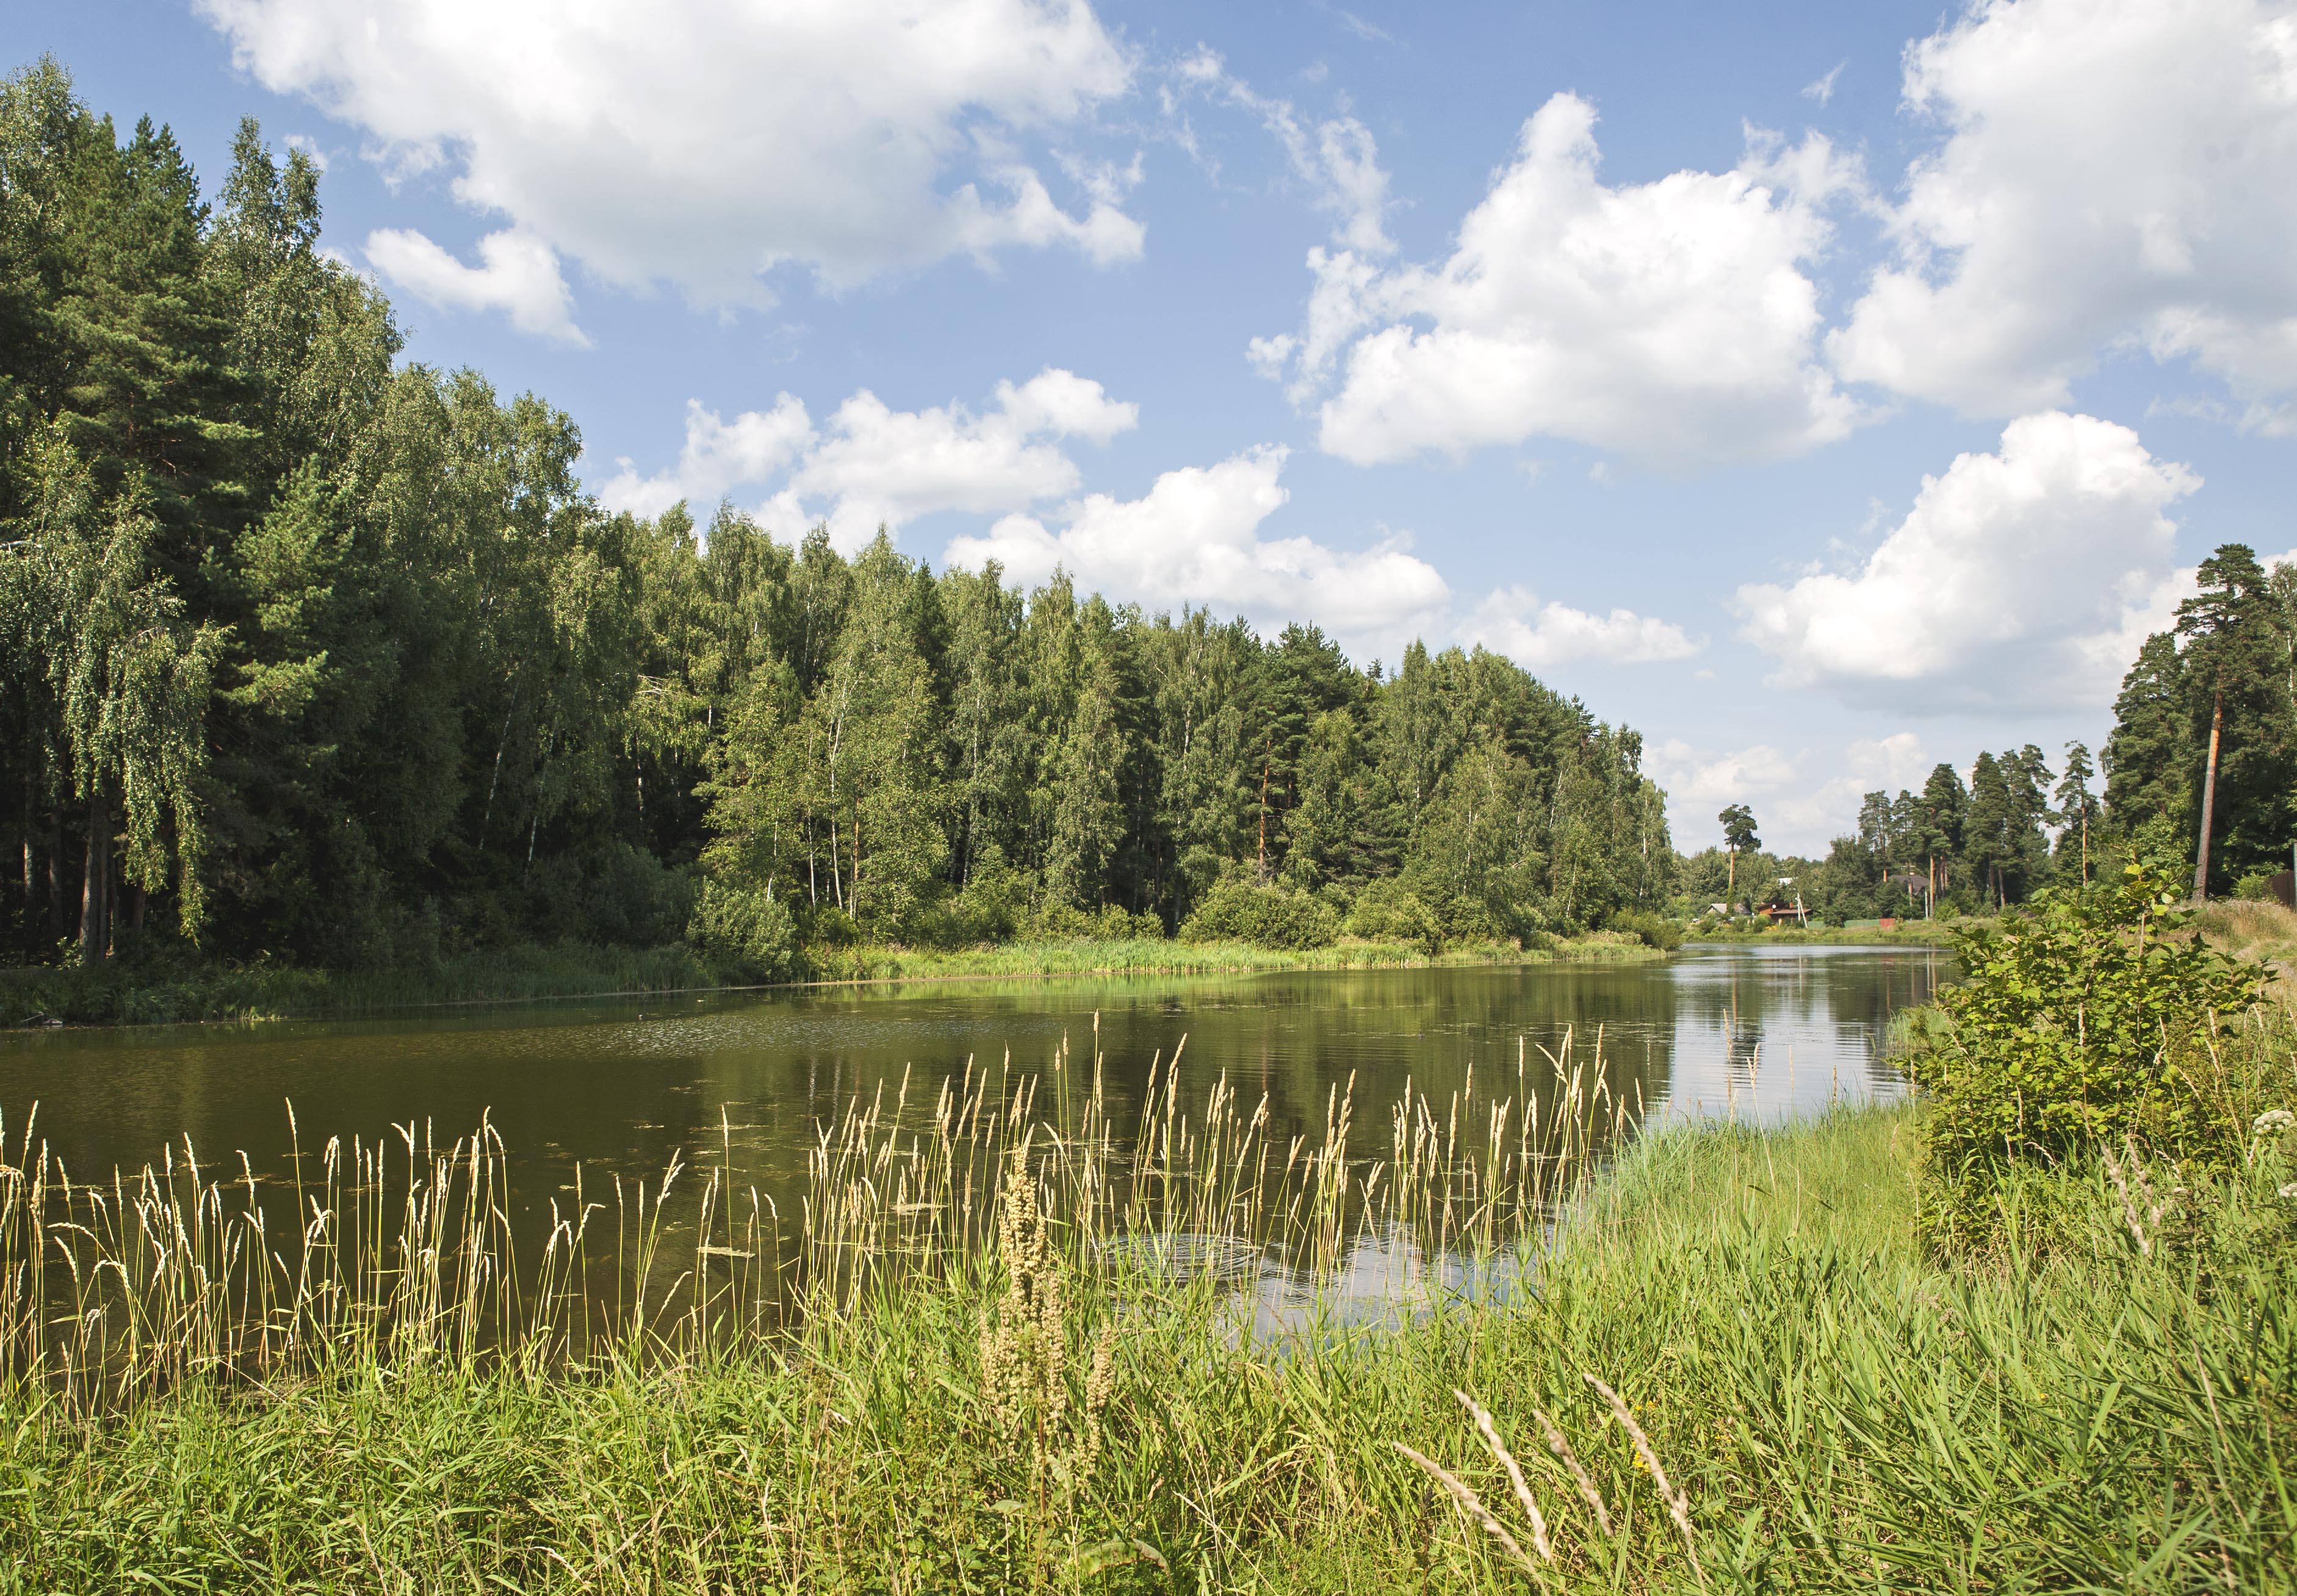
{"points": [[1823, 390]]}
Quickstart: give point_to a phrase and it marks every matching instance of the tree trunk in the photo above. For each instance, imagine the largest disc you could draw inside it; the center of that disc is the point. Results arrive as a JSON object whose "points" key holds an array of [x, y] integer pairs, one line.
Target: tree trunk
{"points": [[94, 879], [2209, 799], [56, 881], [2085, 825], [1733, 884], [31, 912], [1264, 814]]}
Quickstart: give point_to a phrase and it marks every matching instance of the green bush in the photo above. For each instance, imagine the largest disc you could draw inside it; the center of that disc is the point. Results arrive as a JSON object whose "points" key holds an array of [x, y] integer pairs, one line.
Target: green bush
{"points": [[2080, 1022], [1655, 931], [1237, 911], [1387, 910], [752, 934], [2255, 887]]}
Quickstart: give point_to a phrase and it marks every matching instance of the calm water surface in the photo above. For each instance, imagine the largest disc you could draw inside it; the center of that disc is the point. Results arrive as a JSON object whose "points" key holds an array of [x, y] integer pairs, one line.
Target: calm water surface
{"points": [[1755, 1032]]}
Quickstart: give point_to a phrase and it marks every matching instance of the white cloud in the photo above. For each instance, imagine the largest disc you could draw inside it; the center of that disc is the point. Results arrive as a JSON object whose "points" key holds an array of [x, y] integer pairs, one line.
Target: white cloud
{"points": [[1336, 159], [701, 144], [1671, 320], [1694, 777], [1197, 537], [1194, 538], [875, 466], [870, 465], [2006, 586], [1516, 623], [719, 456], [520, 277], [2115, 173], [1822, 89], [1794, 812]]}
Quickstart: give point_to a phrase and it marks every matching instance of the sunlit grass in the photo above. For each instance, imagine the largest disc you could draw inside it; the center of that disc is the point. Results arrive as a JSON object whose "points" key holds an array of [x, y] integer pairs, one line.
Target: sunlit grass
{"points": [[981, 1394]]}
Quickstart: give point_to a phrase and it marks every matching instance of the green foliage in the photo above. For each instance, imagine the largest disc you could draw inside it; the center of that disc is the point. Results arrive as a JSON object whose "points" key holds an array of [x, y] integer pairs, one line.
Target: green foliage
{"points": [[1262, 914], [2087, 1021], [752, 934], [1841, 1412], [304, 648], [1655, 930]]}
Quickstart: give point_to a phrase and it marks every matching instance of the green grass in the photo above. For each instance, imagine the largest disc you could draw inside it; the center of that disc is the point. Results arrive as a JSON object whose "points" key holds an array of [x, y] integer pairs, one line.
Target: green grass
{"points": [[1920, 933], [1149, 957], [127, 994], [1840, 1412]]}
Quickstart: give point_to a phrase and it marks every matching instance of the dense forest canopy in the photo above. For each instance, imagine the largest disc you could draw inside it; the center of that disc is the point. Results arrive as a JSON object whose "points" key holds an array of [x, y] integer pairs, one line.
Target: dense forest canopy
{"points": [[314, 653]]}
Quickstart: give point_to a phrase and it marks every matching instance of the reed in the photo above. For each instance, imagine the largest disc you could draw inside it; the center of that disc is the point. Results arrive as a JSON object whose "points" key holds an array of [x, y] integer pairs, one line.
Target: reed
{"points": [[403, 1251], [999, 1362]]}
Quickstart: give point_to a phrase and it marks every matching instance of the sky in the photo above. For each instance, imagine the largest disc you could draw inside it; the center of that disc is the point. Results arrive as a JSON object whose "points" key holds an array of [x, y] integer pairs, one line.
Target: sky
{"points": [[1823, 391]]}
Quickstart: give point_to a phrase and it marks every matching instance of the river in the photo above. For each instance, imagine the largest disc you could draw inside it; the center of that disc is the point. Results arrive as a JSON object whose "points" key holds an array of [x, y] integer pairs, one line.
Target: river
{"points": [[1753, 1031]]}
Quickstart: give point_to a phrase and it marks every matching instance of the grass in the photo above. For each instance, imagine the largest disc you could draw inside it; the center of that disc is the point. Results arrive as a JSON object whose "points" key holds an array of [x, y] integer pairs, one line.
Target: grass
{"points": [[1150, 957], [2261, 930], [1920, 933], [129, 993], [986, 1386]]}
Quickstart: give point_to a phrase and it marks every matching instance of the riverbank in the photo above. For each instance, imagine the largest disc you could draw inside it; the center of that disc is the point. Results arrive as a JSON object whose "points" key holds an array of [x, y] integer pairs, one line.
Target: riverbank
{"points": [[1910, 933], [1838, 1412], [127, 994]]}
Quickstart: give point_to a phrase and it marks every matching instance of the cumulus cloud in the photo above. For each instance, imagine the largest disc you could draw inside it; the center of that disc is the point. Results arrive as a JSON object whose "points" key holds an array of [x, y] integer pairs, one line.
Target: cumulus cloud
{"points": [[876, 466], [1195, 538], [1796, 810], [519, 276], [701, 144], [2114, 172], [1673, 321], [2012, 582], [1514, 622], [871, 466], [719, 456]]}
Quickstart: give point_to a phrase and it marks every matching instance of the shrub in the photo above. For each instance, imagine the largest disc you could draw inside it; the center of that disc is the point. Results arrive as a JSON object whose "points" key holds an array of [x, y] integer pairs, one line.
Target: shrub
{"points": [[1387, 910], [2080, 1022], [749, 932], [2256, 887], [1656, 932], [1236, 910]]}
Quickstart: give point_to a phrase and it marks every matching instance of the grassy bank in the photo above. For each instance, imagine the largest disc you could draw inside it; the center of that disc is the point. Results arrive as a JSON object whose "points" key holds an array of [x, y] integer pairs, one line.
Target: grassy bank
{"points": [[1917, 933], [1839, 1413], [1146, 957], [127, 994]]}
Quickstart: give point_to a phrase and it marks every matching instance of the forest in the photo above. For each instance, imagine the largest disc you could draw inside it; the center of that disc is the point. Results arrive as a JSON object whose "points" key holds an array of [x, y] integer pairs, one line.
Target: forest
{"points": [[315, 654]]}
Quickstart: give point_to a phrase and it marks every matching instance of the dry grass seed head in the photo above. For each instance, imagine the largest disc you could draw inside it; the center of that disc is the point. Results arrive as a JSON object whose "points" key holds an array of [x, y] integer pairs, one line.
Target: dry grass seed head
{"points": [[1515, 1475], [1470, 1503]]}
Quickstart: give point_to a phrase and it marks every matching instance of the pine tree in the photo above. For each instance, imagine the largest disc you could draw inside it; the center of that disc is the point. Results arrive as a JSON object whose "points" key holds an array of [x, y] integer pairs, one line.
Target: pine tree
{"points": [[2077, 807], [2239, 717]]}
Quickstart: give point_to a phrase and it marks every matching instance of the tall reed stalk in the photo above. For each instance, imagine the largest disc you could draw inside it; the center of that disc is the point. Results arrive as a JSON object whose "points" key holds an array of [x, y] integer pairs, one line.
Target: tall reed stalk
{"points": [[405, 1251]]}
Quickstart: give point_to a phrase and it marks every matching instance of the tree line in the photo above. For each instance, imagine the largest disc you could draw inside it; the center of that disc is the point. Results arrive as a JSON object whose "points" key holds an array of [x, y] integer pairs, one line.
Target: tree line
{"points": [[314, 651], [2200, 783]]}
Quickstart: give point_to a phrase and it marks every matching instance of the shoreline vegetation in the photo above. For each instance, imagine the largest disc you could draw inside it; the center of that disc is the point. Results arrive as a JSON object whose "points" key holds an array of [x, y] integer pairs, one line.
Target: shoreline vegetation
{"points": [[1058, 1392], [120, 994]]}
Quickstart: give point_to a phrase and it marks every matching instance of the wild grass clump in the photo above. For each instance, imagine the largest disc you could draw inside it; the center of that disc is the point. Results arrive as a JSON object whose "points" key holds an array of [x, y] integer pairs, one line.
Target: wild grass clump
{"points": [[2252, 928], [1738, 1372]]}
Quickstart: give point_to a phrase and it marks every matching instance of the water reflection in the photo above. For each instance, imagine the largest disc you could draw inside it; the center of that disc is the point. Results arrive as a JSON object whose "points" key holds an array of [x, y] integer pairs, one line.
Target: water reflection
{"points": [[618, 1088]]}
